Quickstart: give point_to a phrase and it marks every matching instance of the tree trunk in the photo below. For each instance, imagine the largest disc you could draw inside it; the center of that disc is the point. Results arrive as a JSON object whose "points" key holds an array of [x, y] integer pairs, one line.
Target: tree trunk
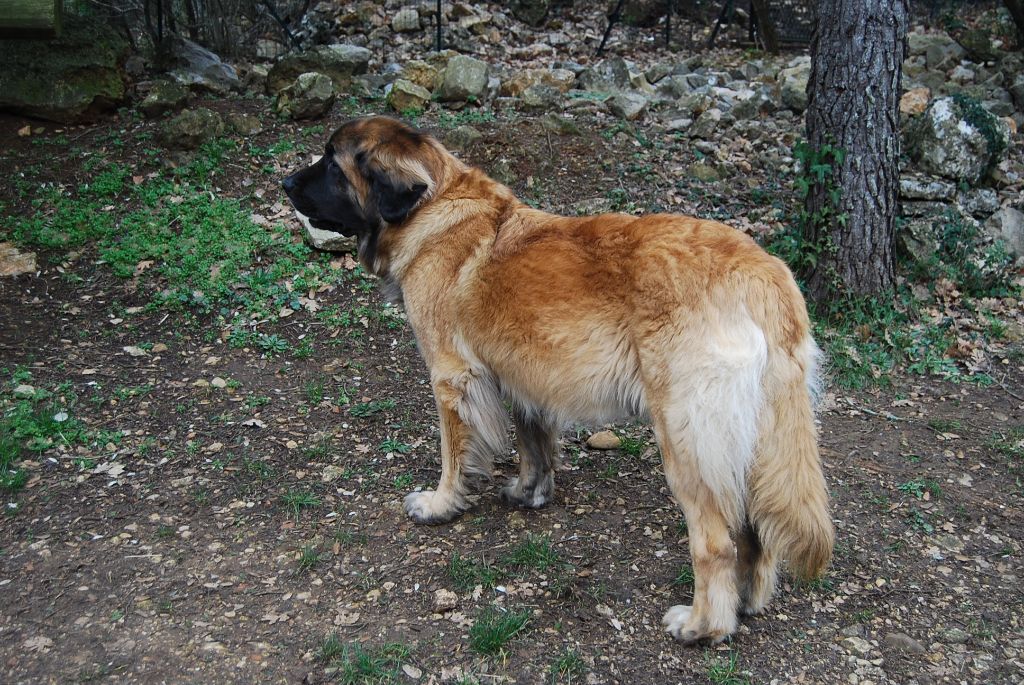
{"points": [[759, 8], [1016, 9], [857, 53]]}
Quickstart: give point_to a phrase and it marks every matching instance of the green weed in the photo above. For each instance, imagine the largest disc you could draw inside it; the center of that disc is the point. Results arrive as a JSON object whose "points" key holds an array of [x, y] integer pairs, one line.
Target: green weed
{"points": [[308, 559], [467, 573], [724, 670], [364, 409], [535, 552], [494, 628], [568, 668], [295, 501]]}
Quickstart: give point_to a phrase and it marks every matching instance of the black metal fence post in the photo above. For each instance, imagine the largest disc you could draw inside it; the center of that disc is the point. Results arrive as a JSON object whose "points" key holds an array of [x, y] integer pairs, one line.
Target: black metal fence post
{"points": [[438, 42]]}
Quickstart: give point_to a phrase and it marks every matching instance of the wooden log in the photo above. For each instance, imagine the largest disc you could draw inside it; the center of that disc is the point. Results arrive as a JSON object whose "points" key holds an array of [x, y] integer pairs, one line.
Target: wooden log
{"points": [[30, 19]]}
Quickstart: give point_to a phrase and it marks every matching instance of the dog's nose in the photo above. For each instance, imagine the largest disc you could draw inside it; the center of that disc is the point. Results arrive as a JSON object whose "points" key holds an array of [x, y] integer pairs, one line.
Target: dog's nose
{"points": [[288, 184]]}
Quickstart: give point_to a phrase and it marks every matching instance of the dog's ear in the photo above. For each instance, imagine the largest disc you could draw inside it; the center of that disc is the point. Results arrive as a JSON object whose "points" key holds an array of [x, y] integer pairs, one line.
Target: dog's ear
{"points": [[394, 199], [394, 196]]}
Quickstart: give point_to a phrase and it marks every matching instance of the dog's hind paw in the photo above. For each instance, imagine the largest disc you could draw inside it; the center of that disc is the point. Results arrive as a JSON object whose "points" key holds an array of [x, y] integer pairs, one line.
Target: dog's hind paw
{"points": [[528, 498], [432, 507], [681, 624]]}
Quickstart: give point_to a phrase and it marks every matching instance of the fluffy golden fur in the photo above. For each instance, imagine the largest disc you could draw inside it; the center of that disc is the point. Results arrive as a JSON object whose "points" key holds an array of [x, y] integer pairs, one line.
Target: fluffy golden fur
{"points": [[594, 319]]}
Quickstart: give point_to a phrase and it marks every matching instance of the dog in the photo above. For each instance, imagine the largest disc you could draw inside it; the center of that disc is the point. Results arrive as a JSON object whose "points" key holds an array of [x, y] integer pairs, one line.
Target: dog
{"points": [[595, 319]]}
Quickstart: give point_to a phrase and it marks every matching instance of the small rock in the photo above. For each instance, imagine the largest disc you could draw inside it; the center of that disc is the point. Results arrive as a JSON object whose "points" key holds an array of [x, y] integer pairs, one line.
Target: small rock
{"points": [[915, 101], [165, 96], [309, 97], [703, 172], [445, 600], [628, 106], [406, 20], [421, 73], [407, 96], [245, 124], [540, 98], [462, 138], [914, 188], [903, 642], [340, 62], [1007, 225], [219, 382], [464, 79], [793, 84], [955, 636], [705, 125], [604, 440], [14, 262], [200, 68], [327, 241], [24, 392], [857, 645], [191, 128]]}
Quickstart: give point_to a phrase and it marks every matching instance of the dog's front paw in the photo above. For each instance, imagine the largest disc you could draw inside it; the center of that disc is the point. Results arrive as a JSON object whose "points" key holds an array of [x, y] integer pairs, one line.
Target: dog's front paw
{"points": [[433, 507], [683, 625]]}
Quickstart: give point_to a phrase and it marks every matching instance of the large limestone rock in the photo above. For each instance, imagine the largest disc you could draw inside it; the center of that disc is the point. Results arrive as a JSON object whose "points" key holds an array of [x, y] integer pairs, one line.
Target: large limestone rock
{"points": [[559, 79], [191, 128], [609, 74], [198, 68], [340, 62], [532, 12], [464, 79], [1007, 225], [939, 50], [71, 79], [957, 139], [628, 106], [310, 96], [406, 96], [163, 97], [793, 84]]}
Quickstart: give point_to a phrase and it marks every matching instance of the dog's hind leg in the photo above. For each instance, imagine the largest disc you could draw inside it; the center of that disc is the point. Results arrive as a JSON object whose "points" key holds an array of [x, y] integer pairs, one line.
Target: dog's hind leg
{"points": [[712, 617], [536, 435]]}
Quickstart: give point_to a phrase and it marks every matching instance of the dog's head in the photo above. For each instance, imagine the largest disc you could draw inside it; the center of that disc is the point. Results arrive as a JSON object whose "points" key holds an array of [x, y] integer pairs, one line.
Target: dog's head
{"points": [[373, 175]]}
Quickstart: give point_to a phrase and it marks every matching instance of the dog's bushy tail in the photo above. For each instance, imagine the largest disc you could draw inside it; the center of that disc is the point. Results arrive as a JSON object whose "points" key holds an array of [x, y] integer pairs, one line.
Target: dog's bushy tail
{"points": [[787, 499]]}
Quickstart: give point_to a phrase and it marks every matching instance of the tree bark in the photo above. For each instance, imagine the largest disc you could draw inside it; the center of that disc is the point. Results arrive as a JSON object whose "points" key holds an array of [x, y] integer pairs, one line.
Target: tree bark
{"points": [[1016, 9], [857, 53]]}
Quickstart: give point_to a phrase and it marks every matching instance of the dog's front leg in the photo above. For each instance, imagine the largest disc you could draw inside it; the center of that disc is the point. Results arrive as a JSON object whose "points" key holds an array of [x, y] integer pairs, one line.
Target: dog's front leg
{"points": [[473, 428]]}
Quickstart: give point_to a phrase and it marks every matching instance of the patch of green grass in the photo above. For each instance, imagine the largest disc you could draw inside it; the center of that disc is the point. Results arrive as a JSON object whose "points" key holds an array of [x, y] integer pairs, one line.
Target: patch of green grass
{"points": [[725, 670], [309, 557], [348, 538], [319, 449], [356, 664], [634, 447], [467, 573], [569, 668], [946, 425], [295, 501], [494, 629], [315, 392], [685, 576], [403, 482], [535, 552]]}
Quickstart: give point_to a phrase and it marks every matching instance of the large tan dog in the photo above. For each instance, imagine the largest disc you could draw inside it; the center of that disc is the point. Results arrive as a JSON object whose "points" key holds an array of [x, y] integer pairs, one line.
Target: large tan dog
{"points": [[595, 319]]}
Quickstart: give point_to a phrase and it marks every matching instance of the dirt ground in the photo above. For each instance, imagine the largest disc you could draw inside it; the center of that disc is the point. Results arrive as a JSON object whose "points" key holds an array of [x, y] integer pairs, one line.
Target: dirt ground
{"points": [[251, 502]]}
